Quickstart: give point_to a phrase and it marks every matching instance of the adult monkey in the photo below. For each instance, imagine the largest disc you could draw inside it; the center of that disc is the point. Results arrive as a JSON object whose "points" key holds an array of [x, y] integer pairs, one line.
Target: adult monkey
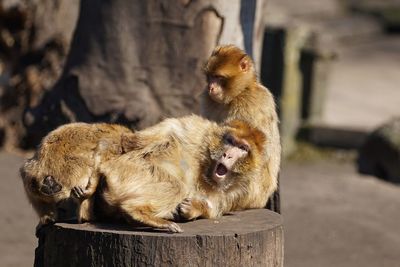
{"points": [[233, 92], [206, 167]]}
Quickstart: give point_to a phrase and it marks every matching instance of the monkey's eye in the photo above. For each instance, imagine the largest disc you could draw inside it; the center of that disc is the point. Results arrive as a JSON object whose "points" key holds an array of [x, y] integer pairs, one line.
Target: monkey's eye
{"points": [[244, 148], [230, 140], [215, 78]]}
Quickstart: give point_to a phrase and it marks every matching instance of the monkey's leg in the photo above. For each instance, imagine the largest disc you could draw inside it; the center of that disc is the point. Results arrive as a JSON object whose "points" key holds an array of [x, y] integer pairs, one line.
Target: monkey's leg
{"points": [[192, 208], [145, 215], [85, 211], [269, 186], [46, 212]]}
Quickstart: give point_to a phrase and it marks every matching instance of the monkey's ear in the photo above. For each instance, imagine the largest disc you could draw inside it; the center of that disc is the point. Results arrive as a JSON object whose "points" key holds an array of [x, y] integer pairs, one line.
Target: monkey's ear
{"points": [[205, 69], [237, 124], [244, 64], [216, 50]]}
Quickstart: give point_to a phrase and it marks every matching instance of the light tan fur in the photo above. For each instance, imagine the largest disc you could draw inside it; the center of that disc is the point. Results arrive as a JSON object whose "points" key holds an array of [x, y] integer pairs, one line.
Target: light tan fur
{"points": [[243, 98], [67, 158], [173, 161]]}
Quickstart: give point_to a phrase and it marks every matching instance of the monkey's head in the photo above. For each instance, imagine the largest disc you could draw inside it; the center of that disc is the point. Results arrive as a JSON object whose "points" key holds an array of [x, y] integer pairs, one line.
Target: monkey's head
{"points": [[235, 155], [53, 170], [35, 184], [229, 71]]}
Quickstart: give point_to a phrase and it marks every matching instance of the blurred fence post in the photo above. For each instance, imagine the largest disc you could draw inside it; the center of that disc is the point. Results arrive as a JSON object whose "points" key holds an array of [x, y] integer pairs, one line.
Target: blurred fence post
{"points": [[280, 72]]}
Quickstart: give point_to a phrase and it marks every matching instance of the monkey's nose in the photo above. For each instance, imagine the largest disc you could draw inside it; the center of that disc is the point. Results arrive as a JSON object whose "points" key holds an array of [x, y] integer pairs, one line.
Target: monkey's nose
{"points": [[227, 156]]}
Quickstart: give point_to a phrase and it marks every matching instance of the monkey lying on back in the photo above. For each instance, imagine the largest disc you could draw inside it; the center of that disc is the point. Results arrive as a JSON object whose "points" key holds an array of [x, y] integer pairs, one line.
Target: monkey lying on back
{"points": [[66, 158], [206, 167]]}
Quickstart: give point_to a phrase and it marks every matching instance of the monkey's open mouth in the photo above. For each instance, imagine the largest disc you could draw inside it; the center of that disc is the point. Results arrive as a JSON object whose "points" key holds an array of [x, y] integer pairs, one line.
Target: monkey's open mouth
{"points": [[221, 170]]}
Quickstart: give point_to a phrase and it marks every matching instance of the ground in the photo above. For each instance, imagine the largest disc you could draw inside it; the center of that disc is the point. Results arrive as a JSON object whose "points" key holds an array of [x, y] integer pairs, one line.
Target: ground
{"points": [[18, 221], [363, 90], [332, 216], [336, 217]]}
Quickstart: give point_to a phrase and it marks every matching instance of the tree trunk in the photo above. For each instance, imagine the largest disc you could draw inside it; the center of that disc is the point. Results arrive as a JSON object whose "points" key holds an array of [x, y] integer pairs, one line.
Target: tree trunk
{"points": [[248, 238], [34, 40], [138, 62]]}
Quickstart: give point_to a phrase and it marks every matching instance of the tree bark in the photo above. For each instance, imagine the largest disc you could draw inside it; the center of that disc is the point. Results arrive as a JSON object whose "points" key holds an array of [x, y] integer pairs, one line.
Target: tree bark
{"points": [[248, 238], [34, 40], [138, 62]]}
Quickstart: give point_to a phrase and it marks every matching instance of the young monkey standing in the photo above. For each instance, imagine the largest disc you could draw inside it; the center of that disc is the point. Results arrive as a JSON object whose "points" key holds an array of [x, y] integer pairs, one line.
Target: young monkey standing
{"points": [[64, 166], [233, 92]]}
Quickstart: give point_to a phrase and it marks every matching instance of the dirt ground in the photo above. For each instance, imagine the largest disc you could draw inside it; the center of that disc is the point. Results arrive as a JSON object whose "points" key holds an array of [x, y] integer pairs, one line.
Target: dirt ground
{"points": [[363, 89], [332, 216], [18, 220], [336, 217]]}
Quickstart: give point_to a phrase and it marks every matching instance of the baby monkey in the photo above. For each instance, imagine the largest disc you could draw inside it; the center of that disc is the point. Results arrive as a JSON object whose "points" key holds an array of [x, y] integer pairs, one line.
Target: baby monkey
{"points": [[233, 92], [64, 165], [206, 167]]}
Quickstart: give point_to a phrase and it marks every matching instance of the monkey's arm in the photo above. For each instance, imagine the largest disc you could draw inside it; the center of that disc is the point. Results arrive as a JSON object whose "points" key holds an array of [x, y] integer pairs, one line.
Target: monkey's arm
{"points": [[84, 197], [81, 193]]}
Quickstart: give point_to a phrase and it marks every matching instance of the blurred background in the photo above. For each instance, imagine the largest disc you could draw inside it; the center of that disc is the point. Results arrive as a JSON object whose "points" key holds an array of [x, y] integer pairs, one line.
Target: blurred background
{"points": [[332, 65]]}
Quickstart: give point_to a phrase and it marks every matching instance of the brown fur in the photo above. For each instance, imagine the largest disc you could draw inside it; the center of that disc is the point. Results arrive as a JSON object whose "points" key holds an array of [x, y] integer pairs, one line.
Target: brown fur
{"points": [[66, 158], [244, 98], [147, 183]]}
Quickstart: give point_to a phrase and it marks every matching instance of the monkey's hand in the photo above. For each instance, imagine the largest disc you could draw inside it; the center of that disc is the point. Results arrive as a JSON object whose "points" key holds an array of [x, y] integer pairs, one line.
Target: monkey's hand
{"points": [[192, 208], [50, 186], [80, 194], [174, 228]]}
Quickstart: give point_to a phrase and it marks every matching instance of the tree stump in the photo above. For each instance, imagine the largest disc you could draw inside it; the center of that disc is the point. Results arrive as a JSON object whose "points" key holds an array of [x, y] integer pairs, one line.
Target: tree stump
{"points": [[247, 238]]}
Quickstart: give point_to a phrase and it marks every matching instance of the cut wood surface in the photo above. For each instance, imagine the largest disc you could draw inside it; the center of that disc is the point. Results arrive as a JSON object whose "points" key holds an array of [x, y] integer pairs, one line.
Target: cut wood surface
{"points": [[247, 238]]}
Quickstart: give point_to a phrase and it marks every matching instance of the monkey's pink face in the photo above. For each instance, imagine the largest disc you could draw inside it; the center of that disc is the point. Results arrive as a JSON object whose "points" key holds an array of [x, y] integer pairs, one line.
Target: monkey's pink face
{"points": [[215, 85], [234, 150]]}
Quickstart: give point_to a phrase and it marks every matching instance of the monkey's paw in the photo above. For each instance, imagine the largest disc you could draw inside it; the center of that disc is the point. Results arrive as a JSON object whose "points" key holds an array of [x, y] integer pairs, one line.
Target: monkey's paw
{"points": [[174, 228], [188, 210], [43, 222], [79, 193]]}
